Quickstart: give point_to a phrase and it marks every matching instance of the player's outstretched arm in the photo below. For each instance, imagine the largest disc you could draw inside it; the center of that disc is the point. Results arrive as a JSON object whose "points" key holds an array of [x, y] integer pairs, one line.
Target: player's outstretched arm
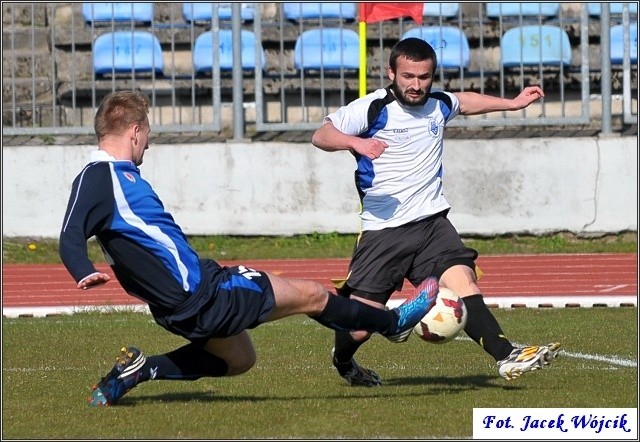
{"points": [[472, 103], [330, 139]]}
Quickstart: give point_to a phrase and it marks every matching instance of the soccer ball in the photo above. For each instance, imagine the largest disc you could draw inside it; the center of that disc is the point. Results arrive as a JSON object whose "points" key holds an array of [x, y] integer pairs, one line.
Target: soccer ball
{"points": [[445, 320]]}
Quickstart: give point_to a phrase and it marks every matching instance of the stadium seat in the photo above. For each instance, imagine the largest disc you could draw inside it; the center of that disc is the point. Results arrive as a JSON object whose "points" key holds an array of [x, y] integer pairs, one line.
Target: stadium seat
{"points": [[126, 52], [446, 10], [203, 51], [308, 10], [117, 12], [614, 8], [327, 48], [497, 10], [535, 45], [617, 43], [203, 12], [450, 44]]}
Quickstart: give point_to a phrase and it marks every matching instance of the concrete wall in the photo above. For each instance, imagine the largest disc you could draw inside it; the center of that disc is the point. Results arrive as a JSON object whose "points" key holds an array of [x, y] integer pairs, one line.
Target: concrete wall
{"points": [[537, 186]]}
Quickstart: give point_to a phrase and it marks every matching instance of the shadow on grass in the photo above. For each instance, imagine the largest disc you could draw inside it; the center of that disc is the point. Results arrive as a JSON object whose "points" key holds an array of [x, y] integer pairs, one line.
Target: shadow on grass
{"points": [[449, 383], [435, 385]]}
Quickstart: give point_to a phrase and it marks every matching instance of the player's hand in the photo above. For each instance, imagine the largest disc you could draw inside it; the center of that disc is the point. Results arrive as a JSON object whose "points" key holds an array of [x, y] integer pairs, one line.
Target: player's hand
{"points": [[93, 280], [528, 96], [371, 148]]}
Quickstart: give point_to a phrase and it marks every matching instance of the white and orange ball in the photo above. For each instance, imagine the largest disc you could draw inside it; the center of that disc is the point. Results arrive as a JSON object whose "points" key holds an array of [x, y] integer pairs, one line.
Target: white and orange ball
{"points": [[446, 319]]}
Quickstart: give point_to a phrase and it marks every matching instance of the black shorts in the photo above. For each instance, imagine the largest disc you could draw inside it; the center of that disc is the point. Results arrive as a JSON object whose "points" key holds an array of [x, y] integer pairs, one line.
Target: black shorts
{"points": [[230, 300], [415, 251]]}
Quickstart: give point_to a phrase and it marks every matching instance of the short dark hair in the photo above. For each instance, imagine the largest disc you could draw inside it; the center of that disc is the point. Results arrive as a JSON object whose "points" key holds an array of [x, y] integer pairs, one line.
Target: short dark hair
{"points": [[415, 49]]}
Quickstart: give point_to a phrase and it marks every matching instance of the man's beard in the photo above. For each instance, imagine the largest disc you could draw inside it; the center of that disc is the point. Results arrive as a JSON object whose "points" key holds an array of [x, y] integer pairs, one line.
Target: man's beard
{"points": [[403, 101]]}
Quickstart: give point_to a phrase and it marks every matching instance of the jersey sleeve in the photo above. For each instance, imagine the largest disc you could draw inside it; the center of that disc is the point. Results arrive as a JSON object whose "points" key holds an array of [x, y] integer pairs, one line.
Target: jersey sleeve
{"points": [[454, 111], [89, 209], [351, 119]]}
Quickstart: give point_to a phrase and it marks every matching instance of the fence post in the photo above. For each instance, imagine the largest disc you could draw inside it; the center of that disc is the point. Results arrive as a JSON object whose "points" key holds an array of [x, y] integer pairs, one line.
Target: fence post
{"points": [[605, 68], [238, 86]]}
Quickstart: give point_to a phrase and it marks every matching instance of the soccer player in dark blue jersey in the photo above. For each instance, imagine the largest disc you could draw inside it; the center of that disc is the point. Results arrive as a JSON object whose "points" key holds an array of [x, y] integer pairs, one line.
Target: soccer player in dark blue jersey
{"points": [[210, 305]]}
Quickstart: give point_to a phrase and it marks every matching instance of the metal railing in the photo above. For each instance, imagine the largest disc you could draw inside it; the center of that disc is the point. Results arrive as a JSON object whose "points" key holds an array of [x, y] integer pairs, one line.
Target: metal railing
{"points": [[49, 86]]}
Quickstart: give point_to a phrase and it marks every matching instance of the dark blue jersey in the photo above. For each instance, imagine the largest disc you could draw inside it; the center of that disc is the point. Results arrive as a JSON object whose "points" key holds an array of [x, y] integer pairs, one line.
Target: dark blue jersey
{"points": [[146, 249]]}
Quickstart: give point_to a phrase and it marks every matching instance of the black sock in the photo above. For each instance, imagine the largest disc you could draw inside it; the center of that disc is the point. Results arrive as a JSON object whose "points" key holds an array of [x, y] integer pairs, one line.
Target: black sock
{"points": [[348, 314], [483, 328], [187, 363], [345, 346]]}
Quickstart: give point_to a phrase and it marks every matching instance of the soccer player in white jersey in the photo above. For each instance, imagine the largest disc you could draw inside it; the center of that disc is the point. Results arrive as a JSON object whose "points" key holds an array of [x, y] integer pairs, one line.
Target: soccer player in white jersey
{"points": [[396, 137]]}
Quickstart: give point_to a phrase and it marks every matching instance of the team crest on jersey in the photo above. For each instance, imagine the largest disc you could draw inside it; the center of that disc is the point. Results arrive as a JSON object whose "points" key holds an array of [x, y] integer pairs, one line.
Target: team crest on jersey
{"points": [[433, 127], [130, 177]]}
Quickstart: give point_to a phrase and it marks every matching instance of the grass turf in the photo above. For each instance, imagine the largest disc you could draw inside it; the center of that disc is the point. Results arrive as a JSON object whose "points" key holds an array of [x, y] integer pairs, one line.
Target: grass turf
{"points": [[50, 364], [330, 245]]}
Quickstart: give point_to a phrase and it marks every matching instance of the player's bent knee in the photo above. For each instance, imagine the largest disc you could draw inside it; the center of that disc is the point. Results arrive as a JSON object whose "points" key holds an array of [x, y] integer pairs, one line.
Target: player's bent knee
{"points": [[236, 351], [461, 279], [241, 362], [314, 297], [240, 368], [360, 336]]}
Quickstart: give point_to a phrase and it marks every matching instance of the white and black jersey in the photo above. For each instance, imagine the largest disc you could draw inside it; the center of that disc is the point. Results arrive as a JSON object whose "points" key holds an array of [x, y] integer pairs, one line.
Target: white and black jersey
{"points": [[405, 183]]}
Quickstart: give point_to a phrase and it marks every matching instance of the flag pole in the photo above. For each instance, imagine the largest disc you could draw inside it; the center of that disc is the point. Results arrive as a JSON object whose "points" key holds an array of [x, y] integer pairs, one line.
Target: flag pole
{"points": [[362, 32], [377, 12]]}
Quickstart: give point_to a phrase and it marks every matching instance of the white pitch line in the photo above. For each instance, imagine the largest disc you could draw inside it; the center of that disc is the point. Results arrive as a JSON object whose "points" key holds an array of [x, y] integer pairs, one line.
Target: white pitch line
{"points": [[558, 301], [530, 301], [41, 369], [613, 360], [40, 312]]}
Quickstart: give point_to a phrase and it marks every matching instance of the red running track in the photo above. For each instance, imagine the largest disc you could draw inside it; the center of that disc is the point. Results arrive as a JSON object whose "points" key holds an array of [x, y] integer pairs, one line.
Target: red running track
{"points": [[562, 280]]}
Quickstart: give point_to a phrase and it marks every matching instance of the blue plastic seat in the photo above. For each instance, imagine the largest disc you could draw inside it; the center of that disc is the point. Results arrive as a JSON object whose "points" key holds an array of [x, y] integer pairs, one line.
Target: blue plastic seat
{"points": [[203, 52], [614, 8], [497, 10], [446, 10], [534, 45], [117, 12], [126, 52], [308, 10], [203, 12], [450, 44], [327, 48], [617, 43]]}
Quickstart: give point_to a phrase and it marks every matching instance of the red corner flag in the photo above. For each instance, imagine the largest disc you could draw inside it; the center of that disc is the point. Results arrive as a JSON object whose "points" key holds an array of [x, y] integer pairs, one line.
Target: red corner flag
{"points": [[375, 12]]}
